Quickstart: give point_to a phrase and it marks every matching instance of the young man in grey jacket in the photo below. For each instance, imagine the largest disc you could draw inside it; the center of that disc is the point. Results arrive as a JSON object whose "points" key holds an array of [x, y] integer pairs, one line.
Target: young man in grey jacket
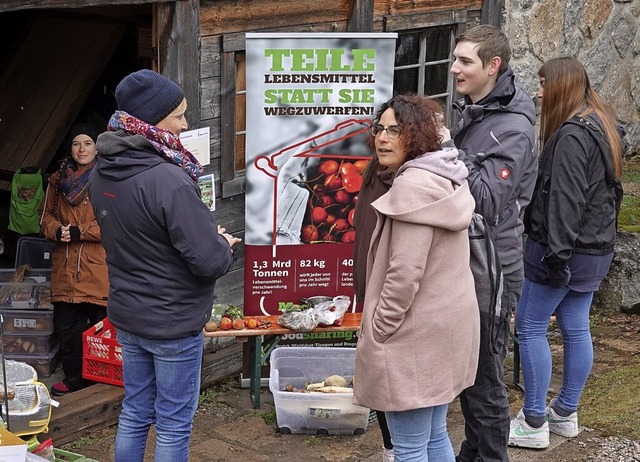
{"points": [[498, 144]]}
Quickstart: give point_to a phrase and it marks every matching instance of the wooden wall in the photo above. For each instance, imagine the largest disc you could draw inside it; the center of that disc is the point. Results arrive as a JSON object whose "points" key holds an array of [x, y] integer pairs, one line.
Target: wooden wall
{"points": [[230, 19]]}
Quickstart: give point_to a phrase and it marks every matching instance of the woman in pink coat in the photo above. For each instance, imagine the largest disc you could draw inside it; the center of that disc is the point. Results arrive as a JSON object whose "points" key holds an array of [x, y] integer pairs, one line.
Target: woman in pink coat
{"points": [[419, 339]]}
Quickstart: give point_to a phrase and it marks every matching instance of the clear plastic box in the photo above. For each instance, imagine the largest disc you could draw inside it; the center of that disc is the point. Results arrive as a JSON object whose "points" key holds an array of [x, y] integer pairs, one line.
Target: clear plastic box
{"points": [[314, 413], [27, 321], [43, 364], [27, 343], [35, 275], [35, 251], [33, 292]]}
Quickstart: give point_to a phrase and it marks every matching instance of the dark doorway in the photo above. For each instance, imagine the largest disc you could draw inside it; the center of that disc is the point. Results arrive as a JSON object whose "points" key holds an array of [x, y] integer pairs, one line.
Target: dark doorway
{"points": [[59, 67]]}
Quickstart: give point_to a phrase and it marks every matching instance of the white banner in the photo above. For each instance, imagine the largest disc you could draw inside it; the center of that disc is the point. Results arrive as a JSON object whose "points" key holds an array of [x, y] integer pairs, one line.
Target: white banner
{"points": [[310, 101]]}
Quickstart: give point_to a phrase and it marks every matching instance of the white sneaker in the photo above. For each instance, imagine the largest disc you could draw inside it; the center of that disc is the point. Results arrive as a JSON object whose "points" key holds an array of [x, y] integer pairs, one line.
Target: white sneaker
{"points": [[563, 426], [522, 435], [387, 455]]}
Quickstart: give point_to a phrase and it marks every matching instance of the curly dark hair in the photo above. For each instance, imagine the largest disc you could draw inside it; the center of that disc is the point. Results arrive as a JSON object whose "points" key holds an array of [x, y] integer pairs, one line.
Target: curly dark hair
{"points": [[417, 117]]}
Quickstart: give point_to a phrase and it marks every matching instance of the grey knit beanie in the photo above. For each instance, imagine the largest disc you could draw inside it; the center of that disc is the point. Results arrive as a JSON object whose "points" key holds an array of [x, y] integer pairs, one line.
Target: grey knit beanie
{"points": [[148, 96]]}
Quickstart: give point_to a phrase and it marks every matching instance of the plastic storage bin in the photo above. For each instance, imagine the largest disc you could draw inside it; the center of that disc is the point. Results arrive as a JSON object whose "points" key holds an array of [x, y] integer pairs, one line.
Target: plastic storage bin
{"points": [[101, 354], [34, 291], [35, 251], [26, 343], [314, 413], [68, 456], [35, 275], [26, 295], [43, 364], [27, 321], [61, 456]]}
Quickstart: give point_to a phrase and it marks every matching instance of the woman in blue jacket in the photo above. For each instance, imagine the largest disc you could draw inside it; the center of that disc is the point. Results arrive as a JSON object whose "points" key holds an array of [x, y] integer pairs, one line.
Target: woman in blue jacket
{"points": [[571, 224]]}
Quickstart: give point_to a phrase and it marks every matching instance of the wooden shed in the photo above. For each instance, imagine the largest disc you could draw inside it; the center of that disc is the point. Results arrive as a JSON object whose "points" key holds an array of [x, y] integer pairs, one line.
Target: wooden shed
{"points": [[61, 60]]}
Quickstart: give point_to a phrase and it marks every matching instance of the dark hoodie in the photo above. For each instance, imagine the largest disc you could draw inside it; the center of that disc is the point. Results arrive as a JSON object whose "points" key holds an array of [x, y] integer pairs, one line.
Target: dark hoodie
{"points": [[365, 220], [164, 252], [499, 144]]}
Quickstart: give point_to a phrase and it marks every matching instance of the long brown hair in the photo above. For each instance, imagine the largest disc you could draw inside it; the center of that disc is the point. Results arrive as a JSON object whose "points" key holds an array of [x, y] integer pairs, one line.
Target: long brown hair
{"points": [[417, 118], [568, 93]]}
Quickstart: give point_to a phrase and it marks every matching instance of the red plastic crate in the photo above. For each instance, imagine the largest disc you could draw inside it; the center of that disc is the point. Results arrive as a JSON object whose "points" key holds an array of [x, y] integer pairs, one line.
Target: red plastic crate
{"points": [[102, 354]]}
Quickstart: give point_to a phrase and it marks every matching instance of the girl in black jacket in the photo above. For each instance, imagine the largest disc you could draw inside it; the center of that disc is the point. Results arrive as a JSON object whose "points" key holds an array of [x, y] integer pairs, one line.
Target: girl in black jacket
{"points": [[571, 224]]}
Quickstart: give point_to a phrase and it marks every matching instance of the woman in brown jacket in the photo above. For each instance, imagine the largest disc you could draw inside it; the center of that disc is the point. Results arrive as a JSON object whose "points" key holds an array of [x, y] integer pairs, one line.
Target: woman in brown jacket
{"points": [[79, 281], [419, 338]]}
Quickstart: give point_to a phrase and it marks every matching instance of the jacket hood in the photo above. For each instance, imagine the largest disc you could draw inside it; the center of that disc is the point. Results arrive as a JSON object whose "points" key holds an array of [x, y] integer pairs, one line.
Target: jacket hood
{"points": [[123, 156], [420, 196], [506, 96], [443, 162]]}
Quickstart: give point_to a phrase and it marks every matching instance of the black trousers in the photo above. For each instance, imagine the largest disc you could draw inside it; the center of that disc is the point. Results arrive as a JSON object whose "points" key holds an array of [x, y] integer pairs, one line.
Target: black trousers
{"points": [[384, 429], [485, 405], [70, 320]]}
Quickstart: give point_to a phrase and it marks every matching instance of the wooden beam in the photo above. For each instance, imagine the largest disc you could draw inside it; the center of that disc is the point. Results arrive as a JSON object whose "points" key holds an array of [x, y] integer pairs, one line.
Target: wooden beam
{"points": [[98, 406], [227, 107], [423, 20], [227, 16], [178, 26], [15, 5], [87, 410], [492, 12], [360, 16]]}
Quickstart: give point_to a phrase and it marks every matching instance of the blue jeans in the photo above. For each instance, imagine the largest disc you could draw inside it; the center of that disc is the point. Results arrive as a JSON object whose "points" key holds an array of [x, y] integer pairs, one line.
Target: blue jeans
{"points": [[538, 303], [161, 387], [420, 435]]}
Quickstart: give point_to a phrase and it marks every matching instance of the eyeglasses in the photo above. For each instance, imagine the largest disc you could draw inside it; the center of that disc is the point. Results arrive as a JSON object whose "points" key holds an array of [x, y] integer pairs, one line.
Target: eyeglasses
{"points": [[393, 131]]}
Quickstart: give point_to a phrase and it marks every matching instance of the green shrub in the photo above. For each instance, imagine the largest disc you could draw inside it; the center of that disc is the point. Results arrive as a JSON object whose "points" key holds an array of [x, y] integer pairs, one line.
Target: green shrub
{"points": [[629, 218]]}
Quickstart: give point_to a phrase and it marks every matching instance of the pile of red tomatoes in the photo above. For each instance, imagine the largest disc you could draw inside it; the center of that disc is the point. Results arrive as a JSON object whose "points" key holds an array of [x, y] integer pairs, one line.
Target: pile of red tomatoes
{"points": [[334, 187]]}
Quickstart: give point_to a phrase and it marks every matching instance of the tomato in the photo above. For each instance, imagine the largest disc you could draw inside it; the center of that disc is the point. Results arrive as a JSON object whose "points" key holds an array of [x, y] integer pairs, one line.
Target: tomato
{"points": [[352, 182], [328, 167]]}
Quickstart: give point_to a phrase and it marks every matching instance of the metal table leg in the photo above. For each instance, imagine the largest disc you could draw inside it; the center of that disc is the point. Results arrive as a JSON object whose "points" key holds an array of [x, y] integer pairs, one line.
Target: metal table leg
{"points": [[260, 350]]}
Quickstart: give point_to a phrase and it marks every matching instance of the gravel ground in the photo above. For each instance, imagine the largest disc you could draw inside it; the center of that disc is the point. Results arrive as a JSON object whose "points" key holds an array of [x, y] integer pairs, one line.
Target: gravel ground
{"points": [[616, 449]]}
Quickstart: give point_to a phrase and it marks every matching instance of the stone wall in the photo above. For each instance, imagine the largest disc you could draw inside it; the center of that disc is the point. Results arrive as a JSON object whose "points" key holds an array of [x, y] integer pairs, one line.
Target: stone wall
{"points": [[620, 291], [603, 34]]}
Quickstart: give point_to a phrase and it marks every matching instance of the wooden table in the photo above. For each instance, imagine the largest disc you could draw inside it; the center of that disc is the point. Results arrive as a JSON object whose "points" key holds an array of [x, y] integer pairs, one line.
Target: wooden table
{"points": [[270, 337]]}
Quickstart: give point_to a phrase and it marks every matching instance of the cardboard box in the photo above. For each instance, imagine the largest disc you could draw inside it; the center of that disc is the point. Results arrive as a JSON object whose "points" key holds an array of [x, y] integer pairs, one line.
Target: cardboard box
{"points": [[12, 448]]}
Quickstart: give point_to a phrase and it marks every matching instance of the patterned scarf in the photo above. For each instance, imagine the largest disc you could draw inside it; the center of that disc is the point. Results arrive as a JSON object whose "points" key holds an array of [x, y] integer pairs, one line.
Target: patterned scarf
{"points": [[165, 142], [73, 181]]}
